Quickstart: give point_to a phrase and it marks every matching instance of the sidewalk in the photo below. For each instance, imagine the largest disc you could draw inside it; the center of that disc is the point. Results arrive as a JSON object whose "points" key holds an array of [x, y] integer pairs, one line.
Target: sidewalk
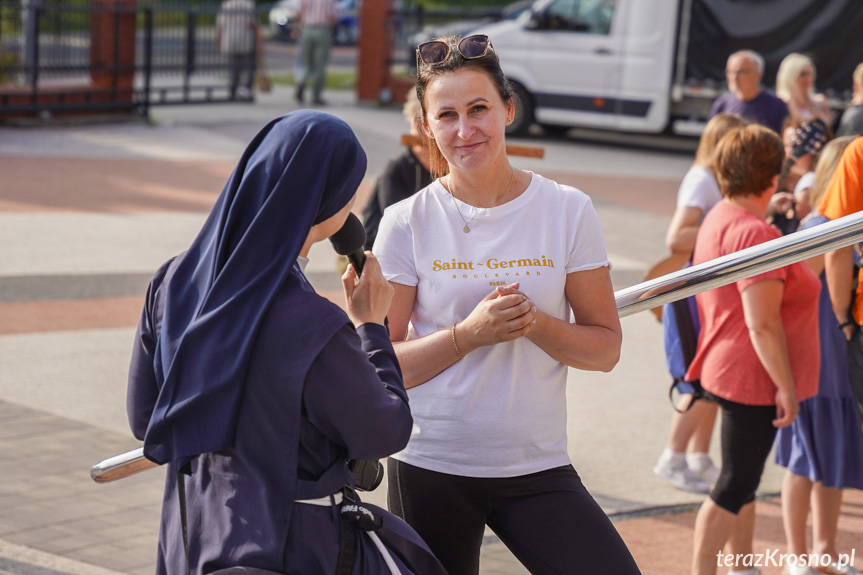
{"points": [[88, 212]]}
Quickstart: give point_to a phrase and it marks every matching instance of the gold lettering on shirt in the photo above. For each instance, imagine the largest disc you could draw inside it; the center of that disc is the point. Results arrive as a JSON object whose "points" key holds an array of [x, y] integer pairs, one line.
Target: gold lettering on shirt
{"points": [[439, 265], [495, 263], [503, 267]]}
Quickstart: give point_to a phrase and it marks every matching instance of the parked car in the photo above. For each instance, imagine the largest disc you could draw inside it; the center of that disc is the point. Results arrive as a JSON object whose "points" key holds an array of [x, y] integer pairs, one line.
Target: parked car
{"points": [[283, 20], [462, 27], [347, 32]]}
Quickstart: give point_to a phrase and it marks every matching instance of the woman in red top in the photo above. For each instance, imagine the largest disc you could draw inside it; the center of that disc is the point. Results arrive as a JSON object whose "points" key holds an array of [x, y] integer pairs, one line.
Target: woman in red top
{"points": [[744, 359]]}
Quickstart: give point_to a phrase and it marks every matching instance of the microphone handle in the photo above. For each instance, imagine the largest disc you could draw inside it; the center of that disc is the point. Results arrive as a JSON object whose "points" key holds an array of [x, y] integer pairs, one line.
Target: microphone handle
{"points": [[358, 260]]}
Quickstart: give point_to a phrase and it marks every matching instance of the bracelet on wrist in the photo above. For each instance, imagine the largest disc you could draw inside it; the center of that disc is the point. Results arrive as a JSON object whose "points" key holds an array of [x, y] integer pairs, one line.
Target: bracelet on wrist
{"points": [[454, 344], [845, 324]]}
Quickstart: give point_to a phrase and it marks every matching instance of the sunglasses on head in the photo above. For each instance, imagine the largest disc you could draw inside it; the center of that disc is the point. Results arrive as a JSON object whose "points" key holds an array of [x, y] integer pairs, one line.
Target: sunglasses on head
{"points": [[438, 51]]}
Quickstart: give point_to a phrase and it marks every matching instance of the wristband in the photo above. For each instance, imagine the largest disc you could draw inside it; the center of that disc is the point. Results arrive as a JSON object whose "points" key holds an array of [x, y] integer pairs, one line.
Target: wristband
{"points": [[845, 324], [454, 344]]}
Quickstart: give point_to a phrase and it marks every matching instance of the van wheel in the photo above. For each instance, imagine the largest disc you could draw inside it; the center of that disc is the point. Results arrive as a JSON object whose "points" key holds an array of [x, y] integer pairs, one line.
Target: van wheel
{"points": [[523, 111], [556, 130]]}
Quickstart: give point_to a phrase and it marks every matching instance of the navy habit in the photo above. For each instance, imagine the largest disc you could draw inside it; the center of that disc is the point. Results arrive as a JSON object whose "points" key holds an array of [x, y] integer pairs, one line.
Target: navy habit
{"points": [[257, 386]]}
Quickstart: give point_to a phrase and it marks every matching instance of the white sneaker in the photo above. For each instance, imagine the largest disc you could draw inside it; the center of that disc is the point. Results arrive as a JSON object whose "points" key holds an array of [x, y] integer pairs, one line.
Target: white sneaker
{"points": [[679, 475], [800, 570], [835, 568], [703, 467]]}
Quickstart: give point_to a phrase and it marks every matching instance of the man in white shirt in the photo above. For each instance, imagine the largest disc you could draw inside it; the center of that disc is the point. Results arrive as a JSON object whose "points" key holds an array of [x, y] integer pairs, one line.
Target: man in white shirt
{"points": [[236, 37]]}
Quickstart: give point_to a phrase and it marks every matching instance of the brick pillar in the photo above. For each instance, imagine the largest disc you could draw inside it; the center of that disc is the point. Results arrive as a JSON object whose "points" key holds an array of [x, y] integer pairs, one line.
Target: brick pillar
{"points": [[112, 46], [375, 44], [373, 50]]}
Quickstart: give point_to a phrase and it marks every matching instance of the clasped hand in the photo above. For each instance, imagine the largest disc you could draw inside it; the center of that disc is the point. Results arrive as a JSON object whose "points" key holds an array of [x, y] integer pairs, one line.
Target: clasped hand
{"points": [[503, 315]]}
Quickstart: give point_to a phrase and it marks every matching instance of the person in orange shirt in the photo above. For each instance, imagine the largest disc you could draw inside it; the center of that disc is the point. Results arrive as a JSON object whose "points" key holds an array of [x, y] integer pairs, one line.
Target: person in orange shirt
{"points": [[843, 197]]}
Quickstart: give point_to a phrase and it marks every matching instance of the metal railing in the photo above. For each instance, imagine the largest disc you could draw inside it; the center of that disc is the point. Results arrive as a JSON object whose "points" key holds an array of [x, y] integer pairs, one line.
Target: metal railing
{"points": [[712, 274]]}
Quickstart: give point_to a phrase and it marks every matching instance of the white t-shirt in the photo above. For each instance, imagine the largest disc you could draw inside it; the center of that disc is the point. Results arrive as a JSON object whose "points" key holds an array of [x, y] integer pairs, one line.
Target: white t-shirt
{"points": [[699, 189], [500, 411]]}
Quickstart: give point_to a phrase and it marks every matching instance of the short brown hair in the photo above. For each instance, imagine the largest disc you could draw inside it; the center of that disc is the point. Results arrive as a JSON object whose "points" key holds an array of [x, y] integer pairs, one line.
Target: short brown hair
{"points": [[747, 159], [488, 65]]}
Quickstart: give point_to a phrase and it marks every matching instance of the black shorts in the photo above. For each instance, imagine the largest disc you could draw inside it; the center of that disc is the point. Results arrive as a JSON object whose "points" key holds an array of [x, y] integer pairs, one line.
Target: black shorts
{"points": [[747, 435]]}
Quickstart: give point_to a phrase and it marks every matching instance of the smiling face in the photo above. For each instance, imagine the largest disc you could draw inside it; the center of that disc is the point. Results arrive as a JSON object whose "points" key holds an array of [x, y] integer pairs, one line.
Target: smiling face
{"points": [[467, 118]]}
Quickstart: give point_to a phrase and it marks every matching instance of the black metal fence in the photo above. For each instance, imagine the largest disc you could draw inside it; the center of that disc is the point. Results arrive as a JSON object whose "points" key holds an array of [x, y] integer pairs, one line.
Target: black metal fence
{"points": [[111, 57]]}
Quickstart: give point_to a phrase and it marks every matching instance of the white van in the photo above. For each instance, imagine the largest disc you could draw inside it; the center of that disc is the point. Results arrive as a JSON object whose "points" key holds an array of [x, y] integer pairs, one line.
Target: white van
{"points": [[656, 65]]}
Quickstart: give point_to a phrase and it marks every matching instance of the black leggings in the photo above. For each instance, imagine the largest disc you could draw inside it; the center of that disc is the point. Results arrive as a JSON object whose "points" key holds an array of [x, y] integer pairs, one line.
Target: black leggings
{"points": [[548, 520], [747, 435]]}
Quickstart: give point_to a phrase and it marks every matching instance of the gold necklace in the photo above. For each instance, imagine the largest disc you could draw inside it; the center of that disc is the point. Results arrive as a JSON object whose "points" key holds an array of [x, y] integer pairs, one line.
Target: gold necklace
{"points": [[466, 228]]}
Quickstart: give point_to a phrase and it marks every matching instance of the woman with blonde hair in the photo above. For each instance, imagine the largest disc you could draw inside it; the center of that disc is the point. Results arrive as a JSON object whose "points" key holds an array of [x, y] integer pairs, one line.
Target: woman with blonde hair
{"points": [[698, 193], [825, 165], [823, 449], [699, 190], [795, 84]]}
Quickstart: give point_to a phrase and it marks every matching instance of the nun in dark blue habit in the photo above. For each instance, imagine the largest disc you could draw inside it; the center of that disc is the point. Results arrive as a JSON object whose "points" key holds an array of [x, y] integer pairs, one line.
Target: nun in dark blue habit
{"points": [[258, 389]]}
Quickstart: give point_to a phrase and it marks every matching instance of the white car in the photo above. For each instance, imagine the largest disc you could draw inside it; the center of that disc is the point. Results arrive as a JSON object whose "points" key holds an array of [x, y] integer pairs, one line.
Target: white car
{"points": [[283, 18]]}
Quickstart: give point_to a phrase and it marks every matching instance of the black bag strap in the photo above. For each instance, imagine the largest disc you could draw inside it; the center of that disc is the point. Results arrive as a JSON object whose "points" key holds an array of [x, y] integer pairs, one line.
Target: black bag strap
{"points": [[181, 493], [685, 329], [355, 517], [688, 339], [688, 345], [347, 549]]}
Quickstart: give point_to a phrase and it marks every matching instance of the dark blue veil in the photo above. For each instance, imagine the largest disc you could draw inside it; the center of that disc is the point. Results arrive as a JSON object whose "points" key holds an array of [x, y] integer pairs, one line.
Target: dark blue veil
{"points": [[298, 171]]}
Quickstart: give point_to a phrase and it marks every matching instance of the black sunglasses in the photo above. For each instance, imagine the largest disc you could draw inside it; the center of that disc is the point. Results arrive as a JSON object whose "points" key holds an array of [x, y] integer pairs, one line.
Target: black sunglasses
{"points": [[438, 51]]}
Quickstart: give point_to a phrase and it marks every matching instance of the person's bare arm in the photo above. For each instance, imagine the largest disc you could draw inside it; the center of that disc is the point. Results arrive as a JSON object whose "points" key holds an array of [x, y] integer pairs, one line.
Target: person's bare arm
{"points": [[593, 341], [839, 268], [761, 311], [680, 237], [816, 264]]}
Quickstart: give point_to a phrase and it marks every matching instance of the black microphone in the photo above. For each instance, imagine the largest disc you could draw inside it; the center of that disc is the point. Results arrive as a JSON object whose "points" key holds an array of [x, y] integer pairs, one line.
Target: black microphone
{"points": [[349, 241]]}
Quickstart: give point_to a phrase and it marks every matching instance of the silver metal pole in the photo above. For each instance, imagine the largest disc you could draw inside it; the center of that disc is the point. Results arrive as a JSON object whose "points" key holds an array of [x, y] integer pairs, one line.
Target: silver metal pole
{"points": [[121, 466], [722, 271], [746, 263]]}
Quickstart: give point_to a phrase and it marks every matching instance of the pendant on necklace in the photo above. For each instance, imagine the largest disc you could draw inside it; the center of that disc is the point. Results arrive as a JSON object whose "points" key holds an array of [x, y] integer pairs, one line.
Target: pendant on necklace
{"points": [[466, 229]]}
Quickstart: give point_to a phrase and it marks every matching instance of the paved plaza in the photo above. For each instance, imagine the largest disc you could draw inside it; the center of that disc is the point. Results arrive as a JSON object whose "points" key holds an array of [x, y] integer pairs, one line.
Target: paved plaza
{"points": [[89, 210]]}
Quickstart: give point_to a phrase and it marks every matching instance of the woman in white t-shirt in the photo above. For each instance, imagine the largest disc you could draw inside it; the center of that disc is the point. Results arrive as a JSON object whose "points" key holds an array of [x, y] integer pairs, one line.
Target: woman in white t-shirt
{"points": [[486, 264], [699, 190], [685, 462]]}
